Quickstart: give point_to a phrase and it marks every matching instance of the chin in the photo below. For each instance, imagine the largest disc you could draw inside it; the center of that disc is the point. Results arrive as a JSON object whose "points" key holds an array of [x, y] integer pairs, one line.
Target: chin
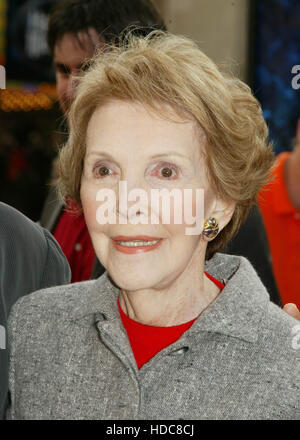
{"points": [[133, 280]]}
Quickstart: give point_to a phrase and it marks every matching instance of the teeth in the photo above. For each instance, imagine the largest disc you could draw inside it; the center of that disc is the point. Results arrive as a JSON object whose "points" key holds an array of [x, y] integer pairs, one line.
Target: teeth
{"points": [[137, 243]]}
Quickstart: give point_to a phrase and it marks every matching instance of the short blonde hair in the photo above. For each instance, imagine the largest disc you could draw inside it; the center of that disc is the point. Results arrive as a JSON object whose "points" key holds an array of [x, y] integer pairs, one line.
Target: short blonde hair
{"points": [[169, 69]]}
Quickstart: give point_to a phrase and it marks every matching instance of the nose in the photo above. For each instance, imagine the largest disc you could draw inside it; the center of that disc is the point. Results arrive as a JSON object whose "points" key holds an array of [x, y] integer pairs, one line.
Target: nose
{"points": [[133, 200]]}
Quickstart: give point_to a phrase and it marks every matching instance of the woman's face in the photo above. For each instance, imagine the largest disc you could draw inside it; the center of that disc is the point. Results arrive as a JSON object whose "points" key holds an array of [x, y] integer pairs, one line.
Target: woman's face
{"points": [[126, 142]]}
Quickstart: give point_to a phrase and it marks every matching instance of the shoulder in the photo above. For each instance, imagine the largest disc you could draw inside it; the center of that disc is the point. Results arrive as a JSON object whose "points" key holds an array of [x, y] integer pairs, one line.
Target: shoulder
{"points": [[281, 159], [278, 167], [265, 337], [277, 358], [14, 226], [246, 304], [20, 235], [66, 302], [275, 332], [40, 318], [58, 300], [56, 268], [280, 336], [30, 257]]}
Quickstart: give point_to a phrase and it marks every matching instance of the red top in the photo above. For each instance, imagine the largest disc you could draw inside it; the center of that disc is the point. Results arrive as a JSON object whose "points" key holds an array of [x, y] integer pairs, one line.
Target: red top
{"points": [[282, 222], [146, 341], [74, 239]]}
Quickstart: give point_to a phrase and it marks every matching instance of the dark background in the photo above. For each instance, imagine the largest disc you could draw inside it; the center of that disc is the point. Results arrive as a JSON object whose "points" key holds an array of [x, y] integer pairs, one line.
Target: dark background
{"points": [[276, 49], [28, 139]]}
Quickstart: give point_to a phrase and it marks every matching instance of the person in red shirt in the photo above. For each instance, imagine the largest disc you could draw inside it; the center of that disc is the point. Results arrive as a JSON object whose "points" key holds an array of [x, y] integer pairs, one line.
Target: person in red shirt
{"points": [[279, 203], [74, 33]]}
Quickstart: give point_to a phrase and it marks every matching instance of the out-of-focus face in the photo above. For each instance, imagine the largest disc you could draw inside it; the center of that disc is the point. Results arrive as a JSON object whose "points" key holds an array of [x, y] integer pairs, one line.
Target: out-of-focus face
{"points": [[126, 142], [69, 55]]}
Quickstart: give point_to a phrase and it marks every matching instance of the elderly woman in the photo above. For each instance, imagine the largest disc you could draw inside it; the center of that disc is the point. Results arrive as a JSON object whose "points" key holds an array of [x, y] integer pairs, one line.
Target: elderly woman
{"points": [[173, 329]]}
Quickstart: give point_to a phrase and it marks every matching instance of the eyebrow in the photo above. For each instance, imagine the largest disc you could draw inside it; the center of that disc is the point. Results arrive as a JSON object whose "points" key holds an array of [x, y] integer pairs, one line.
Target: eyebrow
{"points": [[99, 153], [168, 154], [156, 156], [65, 68], [61, 66]]}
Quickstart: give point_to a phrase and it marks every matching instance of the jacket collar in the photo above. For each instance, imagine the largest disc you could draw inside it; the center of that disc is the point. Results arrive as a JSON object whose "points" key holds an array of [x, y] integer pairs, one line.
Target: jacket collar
{"points": [[236, 312], [241, 305]]}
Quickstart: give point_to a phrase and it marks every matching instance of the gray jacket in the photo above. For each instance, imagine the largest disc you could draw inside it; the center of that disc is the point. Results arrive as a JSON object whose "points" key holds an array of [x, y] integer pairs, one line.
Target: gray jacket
{"points": [[71, 358]]}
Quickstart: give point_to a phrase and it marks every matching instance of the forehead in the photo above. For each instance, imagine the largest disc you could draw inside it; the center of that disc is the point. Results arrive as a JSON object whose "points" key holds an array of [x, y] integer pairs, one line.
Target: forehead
{"points": [[118, 124], [73, 50]]}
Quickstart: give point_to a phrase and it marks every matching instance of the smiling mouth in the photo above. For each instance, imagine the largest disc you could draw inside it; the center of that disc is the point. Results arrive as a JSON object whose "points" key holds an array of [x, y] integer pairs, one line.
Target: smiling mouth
{"points": [[136, 244]]}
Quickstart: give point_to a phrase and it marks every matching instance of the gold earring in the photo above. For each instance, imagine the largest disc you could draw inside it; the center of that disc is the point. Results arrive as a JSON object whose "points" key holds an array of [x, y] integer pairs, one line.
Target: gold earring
{"points": [[211, 227]]}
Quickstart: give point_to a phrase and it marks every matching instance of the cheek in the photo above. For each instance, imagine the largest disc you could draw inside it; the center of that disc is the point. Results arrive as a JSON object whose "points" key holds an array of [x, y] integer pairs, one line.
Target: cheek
{"points": [[190, 212], [89, 205], [187, 218], [182, 246]]}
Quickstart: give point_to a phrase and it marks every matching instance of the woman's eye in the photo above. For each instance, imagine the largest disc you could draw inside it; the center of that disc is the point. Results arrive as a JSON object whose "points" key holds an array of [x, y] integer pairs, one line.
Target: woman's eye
{"points": [[167, 172], [103, 171]]}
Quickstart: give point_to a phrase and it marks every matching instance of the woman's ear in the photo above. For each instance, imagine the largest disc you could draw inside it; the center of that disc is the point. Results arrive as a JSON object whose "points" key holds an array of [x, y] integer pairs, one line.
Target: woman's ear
{"points": [[222, 212]]}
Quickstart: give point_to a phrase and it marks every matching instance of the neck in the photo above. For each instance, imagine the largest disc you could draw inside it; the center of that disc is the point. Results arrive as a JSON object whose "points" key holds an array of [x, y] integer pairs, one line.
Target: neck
{"points": [[180, 302], [292, 177]]}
